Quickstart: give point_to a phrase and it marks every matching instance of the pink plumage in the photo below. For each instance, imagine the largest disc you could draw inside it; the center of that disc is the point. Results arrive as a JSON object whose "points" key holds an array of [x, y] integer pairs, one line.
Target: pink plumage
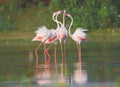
{"points": [[79, 35]]}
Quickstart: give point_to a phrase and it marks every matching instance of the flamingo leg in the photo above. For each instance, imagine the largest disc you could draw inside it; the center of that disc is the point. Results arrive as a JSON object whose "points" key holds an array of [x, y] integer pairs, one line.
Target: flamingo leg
{"points": [[65, 51], [48, 57], [36, 52], [48, 47], [80, 66], [55, 54], [62, 51], [45, 53], [79, 52], [48, 53]]}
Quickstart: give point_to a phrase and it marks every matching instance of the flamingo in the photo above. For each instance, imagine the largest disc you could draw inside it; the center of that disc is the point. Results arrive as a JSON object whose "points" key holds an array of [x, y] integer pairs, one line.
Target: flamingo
{"points": [[45, 36], [54, 38], [42, 34], [62, 34], [78, 36]]}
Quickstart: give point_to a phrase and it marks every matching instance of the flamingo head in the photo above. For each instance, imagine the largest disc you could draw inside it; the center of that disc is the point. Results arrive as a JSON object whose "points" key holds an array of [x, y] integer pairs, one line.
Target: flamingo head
{"points": [[57, 12], [67, 14]]}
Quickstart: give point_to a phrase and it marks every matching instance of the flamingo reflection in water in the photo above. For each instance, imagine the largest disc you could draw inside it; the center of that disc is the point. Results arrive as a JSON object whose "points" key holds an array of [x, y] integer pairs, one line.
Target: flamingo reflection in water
{"points": [[80, 75], [42, 74], [48, 75], [62, 78]]}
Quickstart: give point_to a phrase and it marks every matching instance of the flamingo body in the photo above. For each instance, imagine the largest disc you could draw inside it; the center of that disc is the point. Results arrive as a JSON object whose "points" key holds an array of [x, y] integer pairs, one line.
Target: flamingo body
{"points": [[79, 35], [62, 33], [42, 34], [52, 38], [46, 36]]}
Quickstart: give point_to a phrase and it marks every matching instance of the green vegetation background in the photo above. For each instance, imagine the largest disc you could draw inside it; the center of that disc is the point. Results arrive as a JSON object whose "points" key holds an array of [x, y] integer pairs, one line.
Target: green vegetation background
{"points": [[20, 18]]}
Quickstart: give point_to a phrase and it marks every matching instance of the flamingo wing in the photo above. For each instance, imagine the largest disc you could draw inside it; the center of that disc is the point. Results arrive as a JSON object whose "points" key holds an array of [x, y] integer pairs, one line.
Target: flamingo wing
{"points": [[53, 36], [80, 32], [62, 33], [79, 35], [41, 34]]}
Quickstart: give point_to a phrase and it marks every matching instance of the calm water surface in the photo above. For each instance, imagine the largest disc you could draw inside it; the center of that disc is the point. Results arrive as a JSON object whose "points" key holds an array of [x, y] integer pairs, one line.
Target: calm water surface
{"points": [[100, 66]]}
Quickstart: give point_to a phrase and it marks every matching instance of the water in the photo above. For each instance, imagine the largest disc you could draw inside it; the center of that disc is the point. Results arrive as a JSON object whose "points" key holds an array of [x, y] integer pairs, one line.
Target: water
{"points": [[100, 66]]}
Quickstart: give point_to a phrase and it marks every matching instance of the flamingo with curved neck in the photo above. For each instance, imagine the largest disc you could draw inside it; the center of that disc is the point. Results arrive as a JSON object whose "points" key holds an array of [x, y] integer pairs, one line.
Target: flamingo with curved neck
{"points": [[59, 24], [55, 16], [62, 34], [42, 35], [78, 36], [61, 31]]}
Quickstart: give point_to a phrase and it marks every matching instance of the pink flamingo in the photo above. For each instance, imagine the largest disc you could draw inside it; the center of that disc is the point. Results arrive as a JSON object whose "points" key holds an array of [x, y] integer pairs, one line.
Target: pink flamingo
{"points": [[62, 34], [45, 36], [54, 37], [77, 36], [42, 34]]}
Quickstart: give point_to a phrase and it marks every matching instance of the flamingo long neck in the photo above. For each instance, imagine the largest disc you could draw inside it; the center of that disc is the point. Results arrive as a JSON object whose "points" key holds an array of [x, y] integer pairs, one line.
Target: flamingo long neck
{"points": [[70, 26], [59, 24], [64, 18], [54, 17]]}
